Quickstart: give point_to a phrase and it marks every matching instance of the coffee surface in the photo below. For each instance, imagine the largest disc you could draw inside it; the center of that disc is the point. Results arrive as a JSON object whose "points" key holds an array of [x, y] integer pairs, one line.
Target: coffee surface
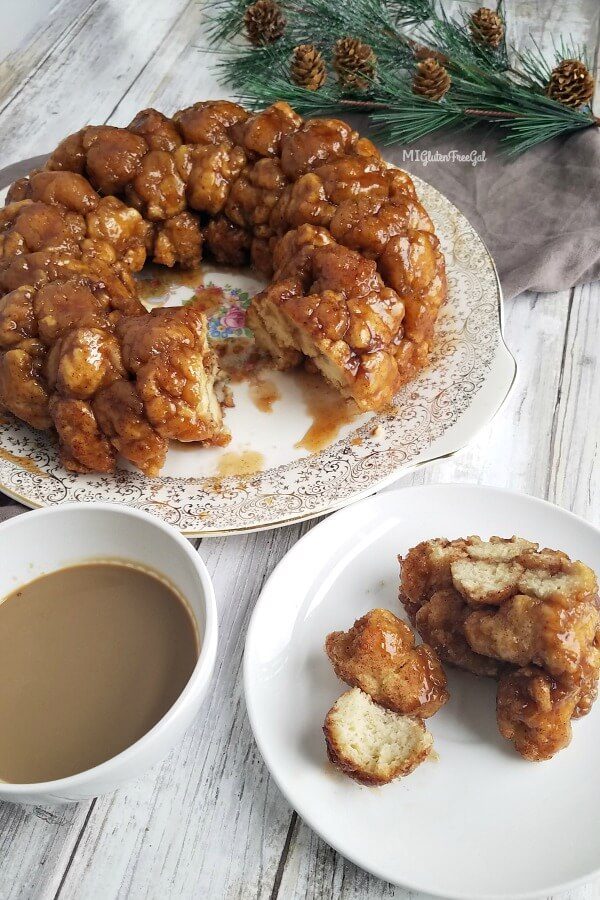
{"points": [[91, 658]]}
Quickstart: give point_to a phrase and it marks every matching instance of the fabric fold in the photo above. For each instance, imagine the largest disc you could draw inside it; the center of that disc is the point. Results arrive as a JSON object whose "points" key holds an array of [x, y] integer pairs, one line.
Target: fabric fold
{"points": [[538, 213]]}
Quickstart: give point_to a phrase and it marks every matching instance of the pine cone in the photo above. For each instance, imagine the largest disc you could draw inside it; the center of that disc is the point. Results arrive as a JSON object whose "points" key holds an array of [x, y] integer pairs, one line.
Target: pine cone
{"points": [[354, 63], [487, 27], [431, 80], [307, 67], [571, 83], [421, 52], [264, 21]]}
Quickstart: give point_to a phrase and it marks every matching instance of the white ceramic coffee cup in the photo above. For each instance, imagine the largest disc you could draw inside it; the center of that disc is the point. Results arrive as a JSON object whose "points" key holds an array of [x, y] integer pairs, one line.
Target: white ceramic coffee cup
{"points": [[46, 540]]}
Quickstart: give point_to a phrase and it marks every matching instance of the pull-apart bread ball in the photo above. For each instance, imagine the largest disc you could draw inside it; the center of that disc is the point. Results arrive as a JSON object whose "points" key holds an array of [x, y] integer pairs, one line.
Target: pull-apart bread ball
{"points": [[375, 732], [262, 134], [175, 373], [23, 390], [357, 274], [530, 617], [378, 655], [83, 446], [318, 141], [329, 304], [534, 711], [373, 745]]}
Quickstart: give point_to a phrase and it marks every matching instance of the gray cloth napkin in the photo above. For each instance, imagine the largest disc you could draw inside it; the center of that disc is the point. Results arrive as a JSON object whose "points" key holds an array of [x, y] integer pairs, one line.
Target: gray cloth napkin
{"points": [[8, 508], [538, 213]]}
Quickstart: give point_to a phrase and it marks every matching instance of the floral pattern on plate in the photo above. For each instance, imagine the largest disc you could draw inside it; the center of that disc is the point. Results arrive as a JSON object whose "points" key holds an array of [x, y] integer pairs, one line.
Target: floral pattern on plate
{"points": [[229, 319]]}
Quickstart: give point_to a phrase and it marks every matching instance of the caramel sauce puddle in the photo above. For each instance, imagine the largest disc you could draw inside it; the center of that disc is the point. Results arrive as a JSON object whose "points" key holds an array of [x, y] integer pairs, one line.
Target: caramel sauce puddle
{"points": [[263, 393], [328, 410], [248, 462]]}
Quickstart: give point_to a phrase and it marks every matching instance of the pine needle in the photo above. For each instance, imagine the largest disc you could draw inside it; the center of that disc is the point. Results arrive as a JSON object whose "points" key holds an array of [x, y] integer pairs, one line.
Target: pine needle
{"points": [[501, 87]]}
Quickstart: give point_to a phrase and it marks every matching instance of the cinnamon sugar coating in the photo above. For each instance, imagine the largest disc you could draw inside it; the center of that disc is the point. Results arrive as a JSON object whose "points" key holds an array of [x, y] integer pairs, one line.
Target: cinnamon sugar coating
{"points": [[379, 656]]}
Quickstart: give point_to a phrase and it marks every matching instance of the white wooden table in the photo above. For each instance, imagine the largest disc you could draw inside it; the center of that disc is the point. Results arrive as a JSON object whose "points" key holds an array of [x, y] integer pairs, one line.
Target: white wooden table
{"points": [[210, 823]]}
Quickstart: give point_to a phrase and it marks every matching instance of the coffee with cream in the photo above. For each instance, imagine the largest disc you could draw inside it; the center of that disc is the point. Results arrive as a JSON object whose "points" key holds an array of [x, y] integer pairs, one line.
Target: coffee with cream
{"points": [[91, 658]]}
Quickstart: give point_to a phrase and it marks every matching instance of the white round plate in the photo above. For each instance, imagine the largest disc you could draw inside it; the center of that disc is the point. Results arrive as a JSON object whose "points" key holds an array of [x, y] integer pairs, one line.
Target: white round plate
{"points": [[476, 821], [265, 477]]}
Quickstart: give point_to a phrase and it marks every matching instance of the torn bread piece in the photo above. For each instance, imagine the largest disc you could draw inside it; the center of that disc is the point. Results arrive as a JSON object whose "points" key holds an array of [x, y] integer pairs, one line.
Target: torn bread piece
{"points": [[484, 567], [494, 571], [371, 744], [378, 655], [175, 371], [328, 304]]}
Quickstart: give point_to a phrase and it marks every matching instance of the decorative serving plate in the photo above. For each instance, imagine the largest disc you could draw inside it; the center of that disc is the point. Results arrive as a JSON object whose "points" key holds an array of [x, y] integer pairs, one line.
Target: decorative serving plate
{"points": [[297, 449]]}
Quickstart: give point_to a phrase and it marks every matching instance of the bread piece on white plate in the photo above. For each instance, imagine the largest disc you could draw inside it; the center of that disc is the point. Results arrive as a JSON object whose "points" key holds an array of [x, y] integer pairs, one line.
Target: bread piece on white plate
{"points": [[371, 744]]}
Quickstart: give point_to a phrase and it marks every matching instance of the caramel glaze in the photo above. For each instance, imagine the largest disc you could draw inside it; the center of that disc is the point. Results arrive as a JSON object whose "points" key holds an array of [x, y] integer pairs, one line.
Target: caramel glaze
{"points": [[378, 655], [24, 462], [248, 462], [264, 393], [327, 409], [249, 187]]}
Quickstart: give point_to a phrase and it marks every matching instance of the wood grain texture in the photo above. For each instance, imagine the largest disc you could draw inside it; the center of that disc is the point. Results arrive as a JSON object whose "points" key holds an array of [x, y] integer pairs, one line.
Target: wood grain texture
{"points": [[209, 822], [23, 64], [87, 72]]}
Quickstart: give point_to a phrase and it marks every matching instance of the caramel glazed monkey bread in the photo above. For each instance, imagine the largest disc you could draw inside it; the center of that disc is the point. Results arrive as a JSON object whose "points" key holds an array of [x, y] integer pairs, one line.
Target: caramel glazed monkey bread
{"points": [[357, 276], [528, 617]]}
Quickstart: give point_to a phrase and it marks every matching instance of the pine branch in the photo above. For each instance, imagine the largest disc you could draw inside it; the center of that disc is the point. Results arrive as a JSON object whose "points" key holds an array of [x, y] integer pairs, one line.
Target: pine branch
{"points": [[400, 115], [328, 101], [528, 116], [225, 20], [496, 86], [535, 70], [411, 12], [322, 22], [453, 38]]}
